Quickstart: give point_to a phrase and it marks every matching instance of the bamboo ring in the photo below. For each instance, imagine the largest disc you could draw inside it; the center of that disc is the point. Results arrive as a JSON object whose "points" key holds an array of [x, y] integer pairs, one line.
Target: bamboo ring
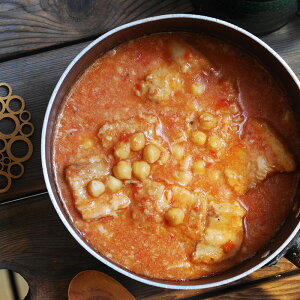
{"points": [[2, 149], [6, 85], [30, 132], [20, 174], [16, 129], [6, 188], [19, 111], [27, 155], [11, 166], [22, 117]]}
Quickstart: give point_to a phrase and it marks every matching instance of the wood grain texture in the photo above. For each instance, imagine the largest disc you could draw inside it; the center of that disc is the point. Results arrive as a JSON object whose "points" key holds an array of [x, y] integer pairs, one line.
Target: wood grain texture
{"points": [[36, 24], [286, 42], [35, 243], [285, 289]]}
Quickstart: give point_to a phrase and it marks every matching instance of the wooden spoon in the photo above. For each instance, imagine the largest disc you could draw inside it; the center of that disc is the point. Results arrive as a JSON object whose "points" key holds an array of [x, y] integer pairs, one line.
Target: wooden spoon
{"points": [[94, 285]]}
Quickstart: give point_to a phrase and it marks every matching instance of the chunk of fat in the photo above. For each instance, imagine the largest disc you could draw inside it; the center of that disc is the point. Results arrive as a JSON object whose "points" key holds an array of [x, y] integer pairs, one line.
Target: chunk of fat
{"points": [[277, 155], [150, 201], [223, 235], [177, 49], [183, 198], [160, 85], [194, 204], [78, 176], [262, 152], [111, 132]]}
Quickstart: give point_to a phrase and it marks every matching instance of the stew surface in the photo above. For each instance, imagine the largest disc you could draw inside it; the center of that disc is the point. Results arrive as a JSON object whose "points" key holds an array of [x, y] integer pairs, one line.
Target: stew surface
{"points": [[169, 155]]}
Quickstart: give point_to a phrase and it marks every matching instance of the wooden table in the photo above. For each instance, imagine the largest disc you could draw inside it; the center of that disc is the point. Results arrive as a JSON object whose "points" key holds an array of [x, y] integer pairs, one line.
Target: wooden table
{"points": [[38, 39]]}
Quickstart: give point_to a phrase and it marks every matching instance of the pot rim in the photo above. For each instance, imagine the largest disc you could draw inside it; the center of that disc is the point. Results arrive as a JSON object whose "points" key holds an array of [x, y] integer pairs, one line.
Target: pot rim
{"points": [[55, 201]]}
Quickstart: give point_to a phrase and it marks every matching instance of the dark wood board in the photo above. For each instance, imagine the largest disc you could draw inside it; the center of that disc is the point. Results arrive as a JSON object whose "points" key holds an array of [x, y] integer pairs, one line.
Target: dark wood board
{"points": [[34, 78], [35, 24], [35, 243]]}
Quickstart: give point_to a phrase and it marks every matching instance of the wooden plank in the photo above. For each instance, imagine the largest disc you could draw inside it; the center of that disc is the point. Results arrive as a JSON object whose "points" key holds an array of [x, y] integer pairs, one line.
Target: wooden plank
{"points": [[39, 248], [286, 289], [34, 24], [286, 42], [34, 77]]}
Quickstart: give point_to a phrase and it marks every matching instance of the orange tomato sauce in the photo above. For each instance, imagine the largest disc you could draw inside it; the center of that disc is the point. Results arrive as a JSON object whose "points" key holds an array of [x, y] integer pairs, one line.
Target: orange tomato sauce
{"points": [[154, 76]]}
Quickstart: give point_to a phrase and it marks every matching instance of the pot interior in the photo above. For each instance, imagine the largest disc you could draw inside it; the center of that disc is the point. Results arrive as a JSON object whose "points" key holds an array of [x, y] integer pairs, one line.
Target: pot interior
{"points": [[185, 23]]}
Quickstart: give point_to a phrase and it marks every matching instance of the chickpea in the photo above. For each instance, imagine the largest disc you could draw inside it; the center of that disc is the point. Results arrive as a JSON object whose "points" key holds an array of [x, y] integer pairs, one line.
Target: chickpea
{"points": [[184, 177], [214, 174], [87, 143], [141, 169], [95, 188], [207, 121], [198, 89], [199, 167], [113, 184], [215, 143], [174, 216], [137, 141], [122, 170], [231, 176], [122, 150], [198, 137], [151, 153], [178, 151]]}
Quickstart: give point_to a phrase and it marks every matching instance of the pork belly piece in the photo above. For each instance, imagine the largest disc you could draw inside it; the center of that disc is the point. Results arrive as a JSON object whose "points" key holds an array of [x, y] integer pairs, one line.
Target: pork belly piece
{"points": [[78, 177], [161, 84], [194, 206], [223, 235], [149, 201], [261, 153], [112, 132]]}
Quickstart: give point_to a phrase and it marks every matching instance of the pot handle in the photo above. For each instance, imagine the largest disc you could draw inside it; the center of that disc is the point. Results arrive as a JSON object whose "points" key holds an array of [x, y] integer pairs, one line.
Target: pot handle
{"points": [[293, 253]]}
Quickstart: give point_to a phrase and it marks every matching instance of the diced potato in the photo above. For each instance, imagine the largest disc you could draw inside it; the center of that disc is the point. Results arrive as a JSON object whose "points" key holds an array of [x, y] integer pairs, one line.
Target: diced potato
{"points": [[198, 88], [113, 184], [122, 170], [198, 137], [122, 150], [184, 177], [174, 216], [199, 167], [207, 121], [151, 153], [95, 188], [87, 143], [141, 169], [137, 141], [178, 151], [215, 143]]}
